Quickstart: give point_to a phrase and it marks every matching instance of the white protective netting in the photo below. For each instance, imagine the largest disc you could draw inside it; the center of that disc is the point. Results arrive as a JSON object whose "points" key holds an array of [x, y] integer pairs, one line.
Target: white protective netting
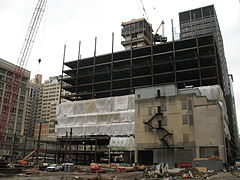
{"points": [[107, 116]]}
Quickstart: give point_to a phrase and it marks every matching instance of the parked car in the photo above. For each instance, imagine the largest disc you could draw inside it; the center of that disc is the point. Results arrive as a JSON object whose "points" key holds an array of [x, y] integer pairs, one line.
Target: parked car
{"points": [[54, 167]]}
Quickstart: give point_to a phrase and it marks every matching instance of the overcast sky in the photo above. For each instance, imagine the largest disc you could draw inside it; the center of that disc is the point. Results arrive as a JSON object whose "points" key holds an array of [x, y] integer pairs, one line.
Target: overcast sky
{"points": [[70, 21]]}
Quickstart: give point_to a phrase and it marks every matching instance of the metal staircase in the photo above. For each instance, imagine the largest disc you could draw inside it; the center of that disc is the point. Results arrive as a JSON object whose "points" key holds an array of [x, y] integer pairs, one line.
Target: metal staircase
{"points": [[160, 128]]}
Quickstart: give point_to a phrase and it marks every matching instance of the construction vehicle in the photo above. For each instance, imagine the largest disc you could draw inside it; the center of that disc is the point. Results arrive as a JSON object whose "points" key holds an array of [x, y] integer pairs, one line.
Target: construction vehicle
{"points": [[24, 160], [11, 94], [156, 171], [159, 38]]}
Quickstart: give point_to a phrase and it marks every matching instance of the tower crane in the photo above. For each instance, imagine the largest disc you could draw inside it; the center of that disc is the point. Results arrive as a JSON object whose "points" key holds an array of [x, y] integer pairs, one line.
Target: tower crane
{"points": [[11, 94], [160, 38]]}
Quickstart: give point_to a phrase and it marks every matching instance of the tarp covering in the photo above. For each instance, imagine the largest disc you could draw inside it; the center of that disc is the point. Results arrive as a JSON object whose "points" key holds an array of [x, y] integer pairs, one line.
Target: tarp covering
{"points": [[107, 116], [122, 143]]}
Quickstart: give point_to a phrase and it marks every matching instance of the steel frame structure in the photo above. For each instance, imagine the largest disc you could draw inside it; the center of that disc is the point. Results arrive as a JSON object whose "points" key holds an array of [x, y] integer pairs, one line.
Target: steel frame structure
{"points": [[190, 62]]}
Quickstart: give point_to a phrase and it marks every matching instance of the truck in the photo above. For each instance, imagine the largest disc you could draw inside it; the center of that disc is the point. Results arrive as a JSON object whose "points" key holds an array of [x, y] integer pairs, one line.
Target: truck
{"points": [[54, 167]]}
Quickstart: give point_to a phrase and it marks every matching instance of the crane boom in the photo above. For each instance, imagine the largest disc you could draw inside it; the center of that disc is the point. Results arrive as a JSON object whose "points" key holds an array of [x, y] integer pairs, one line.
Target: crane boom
{"points": [[160, 38], [162, 24], [11, 94]]}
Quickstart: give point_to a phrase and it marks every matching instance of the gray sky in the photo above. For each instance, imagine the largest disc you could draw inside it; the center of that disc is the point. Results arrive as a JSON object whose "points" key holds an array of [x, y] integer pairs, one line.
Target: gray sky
{"points": [[71, 21]]}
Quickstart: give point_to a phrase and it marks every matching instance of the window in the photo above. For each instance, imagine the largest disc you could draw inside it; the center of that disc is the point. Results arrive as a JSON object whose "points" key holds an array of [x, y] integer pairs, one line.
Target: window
{"points": [[9, 73], [164, 121], [189, 103], [149, 110], [1, 85], [190, 119], [2, 77], [134, 35], [9, 139], [22, 98], [13, 110], [51, 131], [10, 124], [184, 104], [2, 70], [8, 80], [206, 152], [159, 110], [22, 92], [17, 140], [8, 147], [185, 137], [20, 112], [187, 119], [19, 126], [52, 126], [164, 106]]}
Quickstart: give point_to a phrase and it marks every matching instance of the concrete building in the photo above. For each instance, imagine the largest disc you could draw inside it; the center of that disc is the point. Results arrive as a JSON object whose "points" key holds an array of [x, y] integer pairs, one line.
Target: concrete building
{"points": [[198, 22], [179, 125], [16, 123], [48, 101], [136, 33]]}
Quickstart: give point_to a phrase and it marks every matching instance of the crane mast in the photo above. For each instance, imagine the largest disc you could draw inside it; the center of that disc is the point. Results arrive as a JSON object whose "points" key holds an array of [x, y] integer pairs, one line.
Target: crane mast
{"points": [[11, 94]]}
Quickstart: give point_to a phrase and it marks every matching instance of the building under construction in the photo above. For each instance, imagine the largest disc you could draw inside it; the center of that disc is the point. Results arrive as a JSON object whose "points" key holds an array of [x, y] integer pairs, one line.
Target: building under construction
{"points": [[103, 90]]}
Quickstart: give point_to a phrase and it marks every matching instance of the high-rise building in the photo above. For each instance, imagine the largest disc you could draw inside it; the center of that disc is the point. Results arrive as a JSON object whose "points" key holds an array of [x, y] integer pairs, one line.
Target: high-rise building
{"points": [[48, 101], [201, 22], [17, 121], [32, 105]]}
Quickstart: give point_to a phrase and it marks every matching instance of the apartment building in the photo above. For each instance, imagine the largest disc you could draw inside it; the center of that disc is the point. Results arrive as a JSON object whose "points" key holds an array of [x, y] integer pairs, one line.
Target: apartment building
{"points": [[16, 124]]}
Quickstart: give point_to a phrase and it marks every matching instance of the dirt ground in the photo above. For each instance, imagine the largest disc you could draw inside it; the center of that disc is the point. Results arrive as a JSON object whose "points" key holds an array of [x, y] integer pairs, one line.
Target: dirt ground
{"points": [[43, 175]]}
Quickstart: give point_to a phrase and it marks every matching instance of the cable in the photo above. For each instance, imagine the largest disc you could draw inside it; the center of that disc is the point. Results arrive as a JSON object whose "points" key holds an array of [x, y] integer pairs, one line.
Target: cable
{"points": [[144, 10]]}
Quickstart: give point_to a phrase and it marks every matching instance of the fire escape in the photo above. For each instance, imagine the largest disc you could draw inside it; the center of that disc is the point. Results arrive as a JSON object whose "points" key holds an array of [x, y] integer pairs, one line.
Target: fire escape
{"points": [[159, 127]]}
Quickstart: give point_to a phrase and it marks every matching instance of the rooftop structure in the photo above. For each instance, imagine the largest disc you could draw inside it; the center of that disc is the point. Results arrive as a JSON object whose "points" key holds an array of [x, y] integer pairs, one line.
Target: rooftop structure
{"points": [[136, 33]]}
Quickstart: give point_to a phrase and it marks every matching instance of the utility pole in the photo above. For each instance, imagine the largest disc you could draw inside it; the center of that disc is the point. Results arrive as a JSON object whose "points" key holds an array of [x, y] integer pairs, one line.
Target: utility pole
{"points": [[24, 148], [39, 138]]}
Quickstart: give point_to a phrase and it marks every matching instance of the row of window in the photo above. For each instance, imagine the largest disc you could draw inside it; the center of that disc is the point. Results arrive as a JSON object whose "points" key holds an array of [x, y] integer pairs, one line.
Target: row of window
{"points": [[186, 105], [187, 119]]}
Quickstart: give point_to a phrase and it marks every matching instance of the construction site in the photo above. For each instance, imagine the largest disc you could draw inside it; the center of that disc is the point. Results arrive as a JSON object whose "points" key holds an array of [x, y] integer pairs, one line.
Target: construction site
{"points": [[159, 108]]}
